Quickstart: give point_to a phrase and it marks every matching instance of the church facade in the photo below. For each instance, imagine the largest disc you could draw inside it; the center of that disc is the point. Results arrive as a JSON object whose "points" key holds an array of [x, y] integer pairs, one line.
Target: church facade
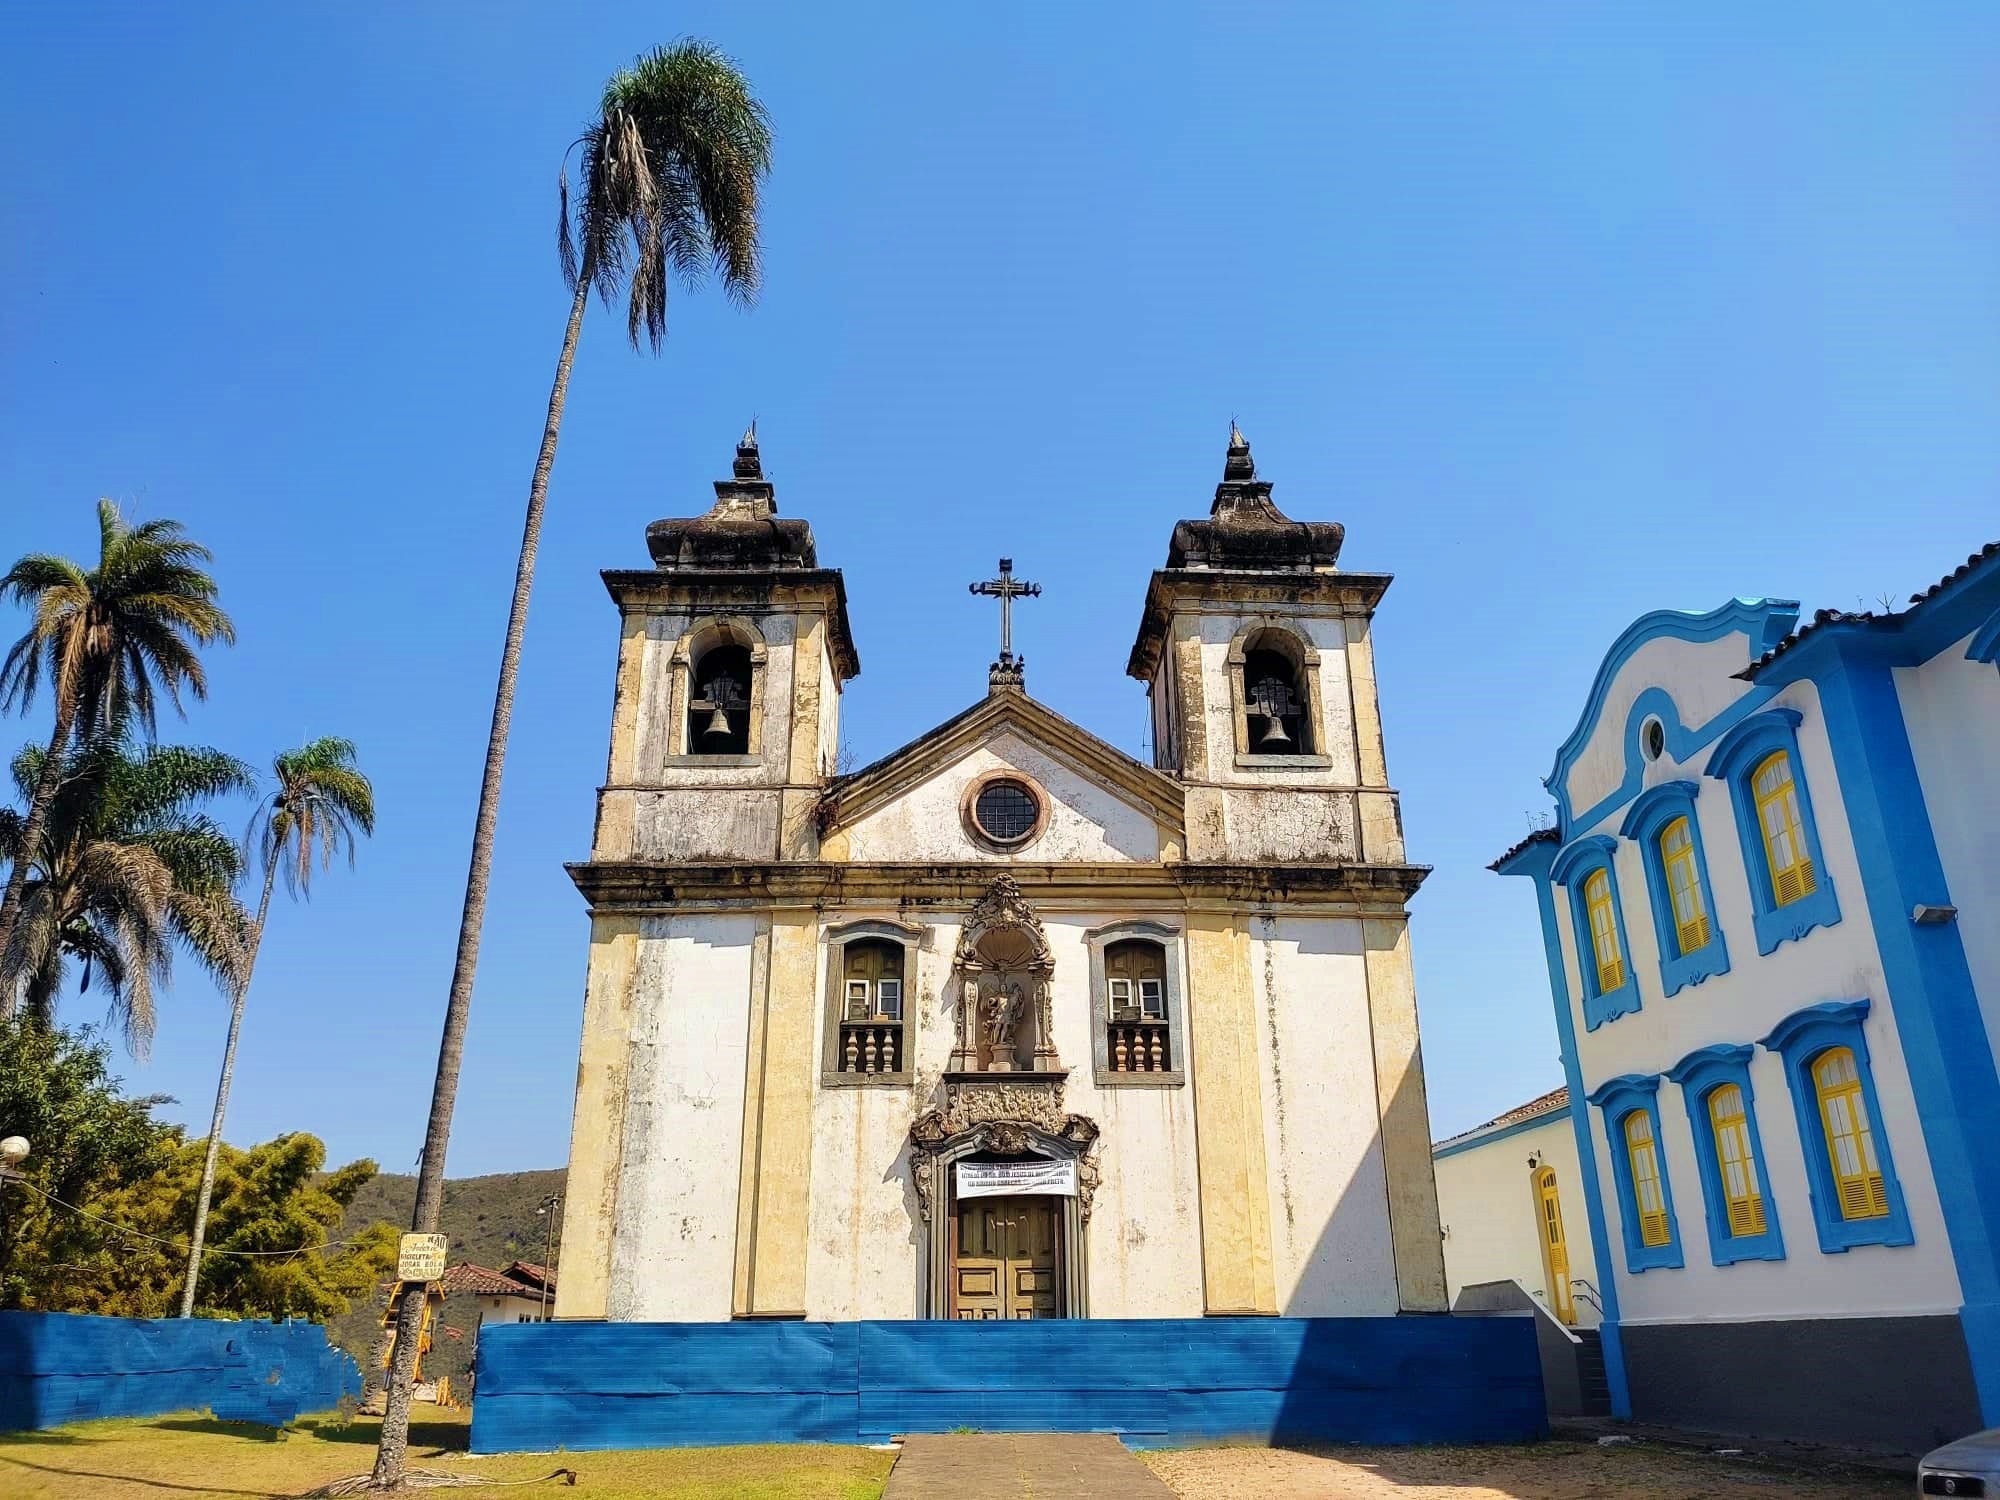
{"points": [[1008, 1024]]}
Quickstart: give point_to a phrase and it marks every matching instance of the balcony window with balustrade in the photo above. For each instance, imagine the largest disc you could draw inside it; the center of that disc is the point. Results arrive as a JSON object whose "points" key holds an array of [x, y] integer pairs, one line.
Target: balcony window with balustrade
{"points": [[868, 1035], [1135, 1000]]}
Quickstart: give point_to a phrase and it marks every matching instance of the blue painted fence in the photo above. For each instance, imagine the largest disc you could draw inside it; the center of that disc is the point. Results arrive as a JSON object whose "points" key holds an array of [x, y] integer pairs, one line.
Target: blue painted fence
{"points": [[659, 1385], [67, 1367]]}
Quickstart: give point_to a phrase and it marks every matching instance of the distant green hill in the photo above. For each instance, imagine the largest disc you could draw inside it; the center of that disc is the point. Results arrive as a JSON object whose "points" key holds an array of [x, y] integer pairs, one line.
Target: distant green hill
{"points": [[490, 1221]]}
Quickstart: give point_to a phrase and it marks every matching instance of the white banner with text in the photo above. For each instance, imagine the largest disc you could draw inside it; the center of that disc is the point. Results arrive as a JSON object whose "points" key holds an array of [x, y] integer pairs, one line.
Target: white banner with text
{"points": [[1001, 1179]]}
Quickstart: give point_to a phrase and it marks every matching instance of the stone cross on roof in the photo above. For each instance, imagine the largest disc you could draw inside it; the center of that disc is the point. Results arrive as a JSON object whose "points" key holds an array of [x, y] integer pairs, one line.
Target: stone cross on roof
{"points": [[1008, 671]]}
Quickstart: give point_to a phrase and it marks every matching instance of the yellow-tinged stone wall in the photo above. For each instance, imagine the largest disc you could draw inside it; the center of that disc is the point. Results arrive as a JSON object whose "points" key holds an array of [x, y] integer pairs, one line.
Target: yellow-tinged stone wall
{"points": [[781, 1074], [1399, 1088], [597, 1128], [1229, 1117]]}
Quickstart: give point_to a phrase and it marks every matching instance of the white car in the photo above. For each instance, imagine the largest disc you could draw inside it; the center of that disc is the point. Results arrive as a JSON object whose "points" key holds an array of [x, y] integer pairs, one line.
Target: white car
{"points": [[1970, 1466]]}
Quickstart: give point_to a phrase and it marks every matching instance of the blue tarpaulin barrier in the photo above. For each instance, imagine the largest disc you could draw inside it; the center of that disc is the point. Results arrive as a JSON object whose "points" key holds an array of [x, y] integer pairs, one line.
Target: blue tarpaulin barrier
{"points": [[69, 1367], [1153, 1381]]}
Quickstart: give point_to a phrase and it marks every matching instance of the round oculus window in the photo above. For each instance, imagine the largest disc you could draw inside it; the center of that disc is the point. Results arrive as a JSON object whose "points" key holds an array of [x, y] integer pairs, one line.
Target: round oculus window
{"points": [[1006, 811], [1653, 739]]}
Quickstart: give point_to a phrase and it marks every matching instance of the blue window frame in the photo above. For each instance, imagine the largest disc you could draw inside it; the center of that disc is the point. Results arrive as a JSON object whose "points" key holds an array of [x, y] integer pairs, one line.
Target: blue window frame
{"points": [[1802, 1039], [1779, 915], [1684, 915], [1729, 1154], [1599, 927], [1631, 1110]]}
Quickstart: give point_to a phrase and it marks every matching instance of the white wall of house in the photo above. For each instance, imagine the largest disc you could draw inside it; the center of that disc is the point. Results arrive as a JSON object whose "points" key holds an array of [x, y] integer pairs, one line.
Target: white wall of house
{"points": [[1952, 708], [1829, 963], [1492, 1214], [511, 1310]]}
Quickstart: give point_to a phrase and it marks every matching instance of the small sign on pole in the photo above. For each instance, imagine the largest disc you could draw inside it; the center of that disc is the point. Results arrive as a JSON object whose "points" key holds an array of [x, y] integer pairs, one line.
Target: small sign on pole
{"points": [[420, 1257]]}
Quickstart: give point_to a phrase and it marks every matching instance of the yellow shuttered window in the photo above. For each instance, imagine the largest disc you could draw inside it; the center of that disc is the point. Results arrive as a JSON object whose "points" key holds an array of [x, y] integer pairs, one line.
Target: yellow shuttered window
{"points": [[1684, 886], [1648, 1200], [1604, 932], [1792, 873], [1850, 1136], [1738, 1168]]}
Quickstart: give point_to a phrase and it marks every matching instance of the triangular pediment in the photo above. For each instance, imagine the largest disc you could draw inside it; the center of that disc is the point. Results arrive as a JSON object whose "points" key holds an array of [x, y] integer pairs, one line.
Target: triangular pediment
{"points": [[1103, 803]]}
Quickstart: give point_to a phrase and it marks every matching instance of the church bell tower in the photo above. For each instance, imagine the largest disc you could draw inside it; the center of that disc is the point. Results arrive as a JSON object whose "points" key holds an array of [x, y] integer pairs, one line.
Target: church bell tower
{"points": [[734, 649], [1255, 649]]}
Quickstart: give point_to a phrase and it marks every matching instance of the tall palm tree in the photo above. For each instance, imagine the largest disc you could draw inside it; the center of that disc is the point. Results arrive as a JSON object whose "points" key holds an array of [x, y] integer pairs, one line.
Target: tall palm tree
{"points": [[128, 867], [669, 170], [103, 635], [319, 803]]}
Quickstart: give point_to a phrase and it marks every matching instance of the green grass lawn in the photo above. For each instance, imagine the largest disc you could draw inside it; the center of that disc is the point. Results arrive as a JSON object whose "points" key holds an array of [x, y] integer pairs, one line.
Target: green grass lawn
{"points": [[189, 1456]]}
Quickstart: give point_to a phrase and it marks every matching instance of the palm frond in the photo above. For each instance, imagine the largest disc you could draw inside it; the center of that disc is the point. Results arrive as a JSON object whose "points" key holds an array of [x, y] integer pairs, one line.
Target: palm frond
{"points": [[113, 638], [670, 177]]}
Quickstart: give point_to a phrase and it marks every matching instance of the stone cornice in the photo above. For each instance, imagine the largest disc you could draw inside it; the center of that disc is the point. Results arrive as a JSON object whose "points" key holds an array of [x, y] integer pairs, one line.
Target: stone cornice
{"points": [[640, 588], [1325, 889], [1173, 590]]}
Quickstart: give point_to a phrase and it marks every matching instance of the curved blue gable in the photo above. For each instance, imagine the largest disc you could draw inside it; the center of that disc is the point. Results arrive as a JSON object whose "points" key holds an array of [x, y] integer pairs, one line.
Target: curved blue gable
{"points": [[1764, 622]]}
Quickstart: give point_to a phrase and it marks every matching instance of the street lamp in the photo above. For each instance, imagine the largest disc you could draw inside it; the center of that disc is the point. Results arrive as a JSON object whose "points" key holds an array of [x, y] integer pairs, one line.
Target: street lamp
{"points": [[13, 1151]]}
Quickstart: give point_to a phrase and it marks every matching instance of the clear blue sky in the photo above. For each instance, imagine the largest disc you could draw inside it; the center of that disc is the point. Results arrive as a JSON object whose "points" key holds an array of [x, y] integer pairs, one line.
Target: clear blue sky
{"points": [[1567, 311]]}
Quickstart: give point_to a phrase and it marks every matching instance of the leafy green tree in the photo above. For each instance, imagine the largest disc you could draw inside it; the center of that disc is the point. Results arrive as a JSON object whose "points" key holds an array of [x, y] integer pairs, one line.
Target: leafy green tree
{"points": [[319, 803], [88, 1141], [670, 169], [129, 867], [103, 635], [274, 1212]]}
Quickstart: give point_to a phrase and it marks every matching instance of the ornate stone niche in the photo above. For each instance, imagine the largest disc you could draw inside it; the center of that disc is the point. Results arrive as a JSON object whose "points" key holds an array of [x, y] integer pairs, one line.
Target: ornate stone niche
{"points": [[1001, 977]]}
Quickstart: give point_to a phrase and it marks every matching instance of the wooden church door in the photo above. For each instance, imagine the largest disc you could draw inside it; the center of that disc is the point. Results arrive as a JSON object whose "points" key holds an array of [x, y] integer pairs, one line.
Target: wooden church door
{"points": [[1004, 1262]]}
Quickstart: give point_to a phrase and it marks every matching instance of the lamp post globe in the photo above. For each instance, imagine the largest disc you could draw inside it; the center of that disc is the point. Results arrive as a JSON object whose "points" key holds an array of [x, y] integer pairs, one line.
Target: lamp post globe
{"points": [[13, 1150]]}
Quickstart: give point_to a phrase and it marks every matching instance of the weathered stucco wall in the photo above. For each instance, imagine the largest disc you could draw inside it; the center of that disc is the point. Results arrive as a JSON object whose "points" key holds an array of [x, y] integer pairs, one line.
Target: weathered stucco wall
{"points": [[1143, 1240], [1086, 821], [673, 1248], [1330, 1229], [718, 1213]]}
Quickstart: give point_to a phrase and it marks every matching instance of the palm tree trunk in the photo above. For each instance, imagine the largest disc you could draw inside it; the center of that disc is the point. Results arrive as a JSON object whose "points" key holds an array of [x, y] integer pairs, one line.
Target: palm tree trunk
{"points": [[31, 838], [451, 1049], [222, 1096]]}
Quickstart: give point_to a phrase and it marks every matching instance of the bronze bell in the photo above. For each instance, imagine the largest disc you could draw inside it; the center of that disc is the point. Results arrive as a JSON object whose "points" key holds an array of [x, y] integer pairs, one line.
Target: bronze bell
{"points": [[1274, 734], [718, 724]]}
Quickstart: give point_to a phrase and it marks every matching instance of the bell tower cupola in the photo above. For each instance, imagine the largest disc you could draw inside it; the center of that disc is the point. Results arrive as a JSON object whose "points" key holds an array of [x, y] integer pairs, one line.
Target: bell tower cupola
{"points": [[1256, 650], [733, 652]]}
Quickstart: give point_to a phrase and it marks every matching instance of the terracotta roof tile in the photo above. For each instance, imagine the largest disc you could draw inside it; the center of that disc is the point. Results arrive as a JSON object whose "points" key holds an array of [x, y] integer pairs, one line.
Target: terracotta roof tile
{"points": [[1539, 836], [1555, 1099], [1825, 617]]}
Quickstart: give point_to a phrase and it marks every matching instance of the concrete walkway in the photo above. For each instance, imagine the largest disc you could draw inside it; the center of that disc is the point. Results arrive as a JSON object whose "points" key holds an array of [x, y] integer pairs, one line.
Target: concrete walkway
{"points": [[1015, 1465]]}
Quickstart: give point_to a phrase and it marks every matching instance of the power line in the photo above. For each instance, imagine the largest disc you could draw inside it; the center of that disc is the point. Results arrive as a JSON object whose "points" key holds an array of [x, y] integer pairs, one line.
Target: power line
{"points": [[181, 1245]]}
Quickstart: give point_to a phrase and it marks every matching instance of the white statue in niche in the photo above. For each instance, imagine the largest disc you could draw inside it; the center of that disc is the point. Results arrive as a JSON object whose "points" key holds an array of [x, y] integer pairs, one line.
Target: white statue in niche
{"points": [[999, 1021]]}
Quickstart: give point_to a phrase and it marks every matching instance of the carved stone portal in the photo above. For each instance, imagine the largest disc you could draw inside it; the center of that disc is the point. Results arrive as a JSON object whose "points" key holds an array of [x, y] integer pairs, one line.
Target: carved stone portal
{"points": [[1014, 1118], [1009, 1119]]}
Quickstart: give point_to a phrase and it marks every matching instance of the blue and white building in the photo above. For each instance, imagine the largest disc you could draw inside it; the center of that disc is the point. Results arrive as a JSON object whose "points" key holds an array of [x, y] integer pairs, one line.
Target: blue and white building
{"points": [[1771, 909]]}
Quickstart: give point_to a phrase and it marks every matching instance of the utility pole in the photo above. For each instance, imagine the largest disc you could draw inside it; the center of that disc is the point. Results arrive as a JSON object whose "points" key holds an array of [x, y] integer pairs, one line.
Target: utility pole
{"points": [[551, 1206]]}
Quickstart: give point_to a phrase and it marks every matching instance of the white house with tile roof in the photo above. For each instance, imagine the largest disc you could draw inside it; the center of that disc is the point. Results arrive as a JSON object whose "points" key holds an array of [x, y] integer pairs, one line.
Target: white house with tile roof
{"points": [[1510, 1197], [1769, 906]]}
